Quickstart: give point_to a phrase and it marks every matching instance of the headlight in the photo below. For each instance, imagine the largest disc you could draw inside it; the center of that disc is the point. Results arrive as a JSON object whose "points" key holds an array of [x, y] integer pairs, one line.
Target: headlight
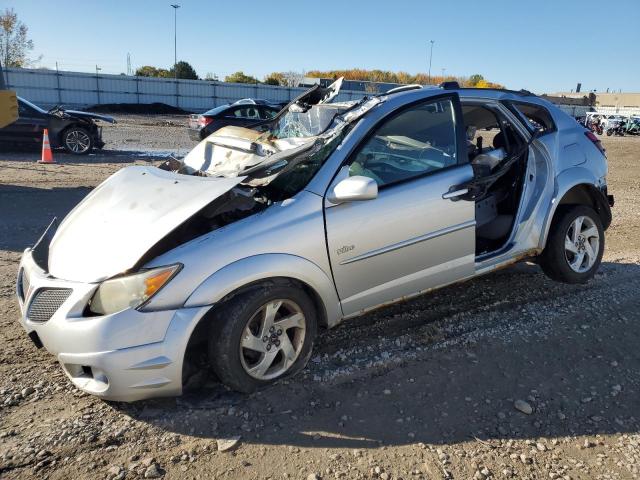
{"points": [[131, 291]]}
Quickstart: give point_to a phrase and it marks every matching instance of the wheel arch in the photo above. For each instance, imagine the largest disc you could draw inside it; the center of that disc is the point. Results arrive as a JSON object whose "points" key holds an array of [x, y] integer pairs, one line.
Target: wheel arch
{"points": [[251, 271], [582, 193], [90, 127]]}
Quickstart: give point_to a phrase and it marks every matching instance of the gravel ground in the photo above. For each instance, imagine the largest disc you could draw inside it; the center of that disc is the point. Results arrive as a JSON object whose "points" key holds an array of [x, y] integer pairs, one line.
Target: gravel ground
{"points": [[506, 376]]}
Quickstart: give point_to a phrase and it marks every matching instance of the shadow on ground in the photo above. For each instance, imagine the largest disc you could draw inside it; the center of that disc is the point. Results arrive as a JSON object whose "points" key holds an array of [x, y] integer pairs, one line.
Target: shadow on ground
{"points": [[26, 211], [581, 376]]}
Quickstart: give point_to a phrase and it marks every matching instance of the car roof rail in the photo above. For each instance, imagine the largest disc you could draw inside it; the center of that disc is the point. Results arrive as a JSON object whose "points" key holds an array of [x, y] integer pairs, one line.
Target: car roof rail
{"points": [[403, 88]]}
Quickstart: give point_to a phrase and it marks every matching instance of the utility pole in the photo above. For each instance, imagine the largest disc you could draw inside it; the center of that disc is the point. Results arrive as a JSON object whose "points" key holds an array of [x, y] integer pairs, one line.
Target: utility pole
{"points": [[98, 83], [2, 84], [175, 39], [430, 58]]}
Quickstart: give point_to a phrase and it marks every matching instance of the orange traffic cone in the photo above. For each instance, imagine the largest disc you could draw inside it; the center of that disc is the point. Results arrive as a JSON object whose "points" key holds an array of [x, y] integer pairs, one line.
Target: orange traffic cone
{"points": [[47, 155]]}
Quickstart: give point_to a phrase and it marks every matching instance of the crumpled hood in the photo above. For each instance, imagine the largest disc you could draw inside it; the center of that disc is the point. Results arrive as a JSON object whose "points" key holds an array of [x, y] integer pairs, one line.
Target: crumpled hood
{"points": [[125, 216], [95, 116]]}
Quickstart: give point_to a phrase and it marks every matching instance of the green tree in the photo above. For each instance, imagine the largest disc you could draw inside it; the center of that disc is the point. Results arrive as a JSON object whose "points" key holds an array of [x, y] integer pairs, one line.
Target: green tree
{"points": [[240, 77], [149, 71], [475, 79], [184, 71], [14, 44], [275, 78]]}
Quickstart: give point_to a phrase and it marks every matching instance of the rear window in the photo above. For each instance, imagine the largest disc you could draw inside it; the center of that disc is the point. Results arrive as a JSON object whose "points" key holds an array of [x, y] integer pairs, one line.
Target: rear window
{"points": [[216, 111], [538, 116]]}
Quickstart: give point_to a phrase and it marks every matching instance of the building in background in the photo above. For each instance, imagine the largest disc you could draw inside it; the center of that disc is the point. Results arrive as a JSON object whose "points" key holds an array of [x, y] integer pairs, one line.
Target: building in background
{"points": [[607, 103]]}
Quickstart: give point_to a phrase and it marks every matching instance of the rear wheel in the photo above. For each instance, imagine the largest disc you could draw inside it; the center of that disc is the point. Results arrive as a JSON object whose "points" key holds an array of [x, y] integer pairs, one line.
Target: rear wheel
{"points": [[77, 140], [575, 245], [262, 335]]}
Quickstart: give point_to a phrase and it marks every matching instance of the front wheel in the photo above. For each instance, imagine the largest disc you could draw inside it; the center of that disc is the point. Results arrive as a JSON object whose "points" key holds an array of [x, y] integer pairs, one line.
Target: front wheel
{"points": [[609, 132], [77, 140], [575, 245], [262, 335]]}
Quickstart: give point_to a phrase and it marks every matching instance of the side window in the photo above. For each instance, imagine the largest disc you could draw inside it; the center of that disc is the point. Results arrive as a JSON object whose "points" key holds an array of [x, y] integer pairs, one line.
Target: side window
{"points": [[268, 113], [538, 116], [410, 144], [244, 112]]}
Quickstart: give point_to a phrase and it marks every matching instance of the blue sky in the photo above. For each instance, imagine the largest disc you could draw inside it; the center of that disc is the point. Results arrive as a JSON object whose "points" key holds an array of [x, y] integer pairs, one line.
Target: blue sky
{"points": [[541, 45]]}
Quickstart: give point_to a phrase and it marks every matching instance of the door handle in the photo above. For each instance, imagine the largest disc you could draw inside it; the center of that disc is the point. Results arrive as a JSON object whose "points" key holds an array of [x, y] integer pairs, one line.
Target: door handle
{"points": [[455, 194]]}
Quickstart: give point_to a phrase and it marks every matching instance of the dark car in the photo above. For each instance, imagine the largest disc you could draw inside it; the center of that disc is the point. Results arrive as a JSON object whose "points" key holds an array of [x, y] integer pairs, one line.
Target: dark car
{"points": [[72, 130], [243, 113]]}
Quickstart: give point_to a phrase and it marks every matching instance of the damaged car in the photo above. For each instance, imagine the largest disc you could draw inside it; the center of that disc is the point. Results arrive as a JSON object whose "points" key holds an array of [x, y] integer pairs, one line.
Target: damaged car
{"points": [[261, 238], [75, 131]]}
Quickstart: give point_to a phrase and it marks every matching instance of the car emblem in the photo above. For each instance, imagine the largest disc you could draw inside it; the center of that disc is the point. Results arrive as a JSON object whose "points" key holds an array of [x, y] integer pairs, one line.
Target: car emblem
{"points": [[345, 249]]}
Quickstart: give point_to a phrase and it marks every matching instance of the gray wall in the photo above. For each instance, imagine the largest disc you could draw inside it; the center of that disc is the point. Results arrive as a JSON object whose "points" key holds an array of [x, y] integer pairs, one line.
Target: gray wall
{"points": [[74, 89]]}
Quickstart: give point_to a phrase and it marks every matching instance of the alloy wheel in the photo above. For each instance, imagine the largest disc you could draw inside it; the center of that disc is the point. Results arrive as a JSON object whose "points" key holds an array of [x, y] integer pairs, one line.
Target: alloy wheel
{"points": [[582, 244], [272, 339], [77, 141]]}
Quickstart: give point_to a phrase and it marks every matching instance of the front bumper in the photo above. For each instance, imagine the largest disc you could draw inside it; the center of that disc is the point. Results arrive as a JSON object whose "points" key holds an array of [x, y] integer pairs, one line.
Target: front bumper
{"points": [[126, 356]]}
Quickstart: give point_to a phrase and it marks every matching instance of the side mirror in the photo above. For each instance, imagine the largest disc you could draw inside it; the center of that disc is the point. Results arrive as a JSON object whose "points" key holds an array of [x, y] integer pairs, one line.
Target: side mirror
{"points": [[354, 189]]}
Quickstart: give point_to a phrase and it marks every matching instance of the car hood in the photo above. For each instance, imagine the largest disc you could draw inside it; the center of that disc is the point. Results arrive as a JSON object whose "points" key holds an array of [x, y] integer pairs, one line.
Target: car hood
{"points": [[95, 116], [110, 231]]}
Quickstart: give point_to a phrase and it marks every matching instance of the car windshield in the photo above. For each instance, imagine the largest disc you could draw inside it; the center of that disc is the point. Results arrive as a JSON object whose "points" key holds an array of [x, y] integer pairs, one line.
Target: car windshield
{"points": [[35, 107], [304, 124], [293, 138]]}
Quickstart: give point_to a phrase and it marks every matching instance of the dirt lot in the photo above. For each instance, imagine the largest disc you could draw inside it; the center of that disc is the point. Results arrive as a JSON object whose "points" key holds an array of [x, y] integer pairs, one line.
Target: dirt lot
{"points": [[423, 390]]}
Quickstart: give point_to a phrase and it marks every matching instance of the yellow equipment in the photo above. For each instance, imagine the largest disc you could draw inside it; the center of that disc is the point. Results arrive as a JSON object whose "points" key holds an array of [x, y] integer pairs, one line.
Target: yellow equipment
{"points": [[8, 103], [8, 108]]}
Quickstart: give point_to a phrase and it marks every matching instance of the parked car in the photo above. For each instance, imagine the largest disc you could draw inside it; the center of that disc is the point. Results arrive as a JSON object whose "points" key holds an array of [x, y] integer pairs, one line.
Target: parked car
{"points": [[243, 113], [73, 130], [256, 242]]}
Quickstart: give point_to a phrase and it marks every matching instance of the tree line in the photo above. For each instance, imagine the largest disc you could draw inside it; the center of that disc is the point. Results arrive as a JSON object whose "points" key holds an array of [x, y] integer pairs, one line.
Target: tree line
{"points": [[294, 79]]}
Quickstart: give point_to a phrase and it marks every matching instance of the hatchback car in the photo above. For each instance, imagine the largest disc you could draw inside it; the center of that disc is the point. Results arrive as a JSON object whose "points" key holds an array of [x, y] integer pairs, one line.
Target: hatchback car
{"points": [[257, 241], [73, 130], [243, 113]]}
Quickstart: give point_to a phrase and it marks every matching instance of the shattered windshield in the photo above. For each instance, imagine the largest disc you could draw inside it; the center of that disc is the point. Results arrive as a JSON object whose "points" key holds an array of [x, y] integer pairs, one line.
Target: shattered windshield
{"points": [[296, 137], [310, 123]]}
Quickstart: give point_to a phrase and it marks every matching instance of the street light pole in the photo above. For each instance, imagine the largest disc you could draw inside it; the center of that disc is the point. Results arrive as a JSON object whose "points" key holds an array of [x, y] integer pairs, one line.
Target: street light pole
{"points": [[175, 40], [2, 84], [430, 57]]}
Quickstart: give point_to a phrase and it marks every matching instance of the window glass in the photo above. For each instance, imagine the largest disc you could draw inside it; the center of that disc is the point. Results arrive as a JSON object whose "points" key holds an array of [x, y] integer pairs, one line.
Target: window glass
{"points": [[268, 113], [417, 141], [539, 117], [217, 110], [245, 112]]}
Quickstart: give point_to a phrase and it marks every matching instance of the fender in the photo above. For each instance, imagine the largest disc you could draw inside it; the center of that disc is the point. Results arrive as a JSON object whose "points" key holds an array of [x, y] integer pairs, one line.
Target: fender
{"points": [[564, 182], [265, 266]]}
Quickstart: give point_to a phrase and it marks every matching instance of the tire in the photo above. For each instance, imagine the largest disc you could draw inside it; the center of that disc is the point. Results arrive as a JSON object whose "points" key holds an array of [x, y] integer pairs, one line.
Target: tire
{"points": [[239, 322], [77, 140], [557, 259], [609, 132]]}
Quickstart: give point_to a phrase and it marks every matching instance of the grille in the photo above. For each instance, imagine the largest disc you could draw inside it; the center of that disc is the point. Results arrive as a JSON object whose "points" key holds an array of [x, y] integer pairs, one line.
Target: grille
{"points": [[46, 302]]}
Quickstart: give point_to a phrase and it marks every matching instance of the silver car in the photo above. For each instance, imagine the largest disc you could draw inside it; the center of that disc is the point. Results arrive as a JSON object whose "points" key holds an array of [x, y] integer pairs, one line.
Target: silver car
{"points": [[261, 238]]}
